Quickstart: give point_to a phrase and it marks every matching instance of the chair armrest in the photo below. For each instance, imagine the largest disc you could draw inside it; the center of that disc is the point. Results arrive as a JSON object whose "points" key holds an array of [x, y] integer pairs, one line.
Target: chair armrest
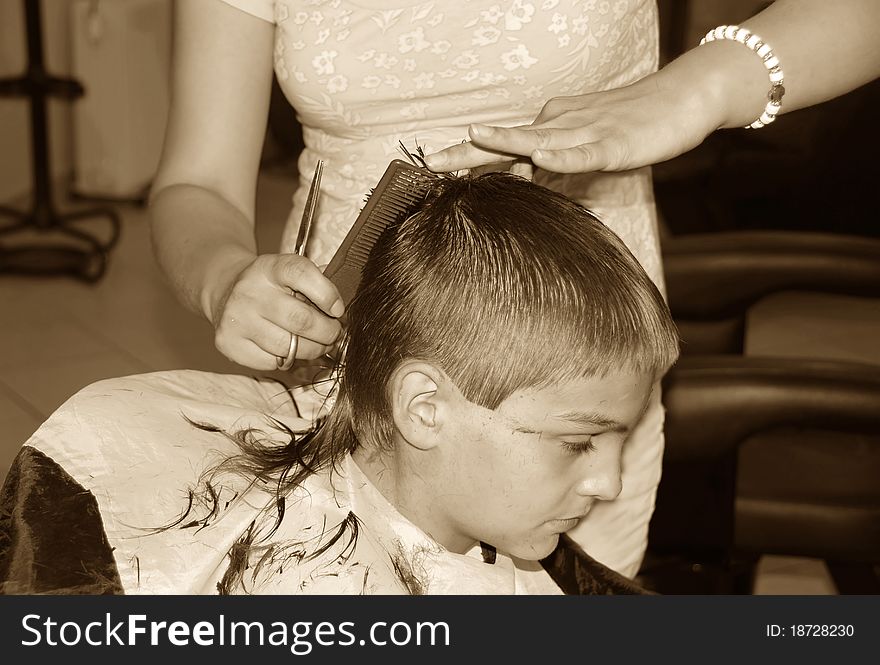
{"points": [[714, 403], [720, 275]]}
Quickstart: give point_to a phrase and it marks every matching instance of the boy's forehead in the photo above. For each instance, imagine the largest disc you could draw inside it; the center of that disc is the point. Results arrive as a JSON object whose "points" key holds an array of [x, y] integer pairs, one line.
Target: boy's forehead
{"points": [[608, 401]]}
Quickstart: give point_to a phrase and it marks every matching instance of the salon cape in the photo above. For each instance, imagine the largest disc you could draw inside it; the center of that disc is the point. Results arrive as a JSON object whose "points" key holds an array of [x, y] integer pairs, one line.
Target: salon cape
{"points": [[85, 499]]}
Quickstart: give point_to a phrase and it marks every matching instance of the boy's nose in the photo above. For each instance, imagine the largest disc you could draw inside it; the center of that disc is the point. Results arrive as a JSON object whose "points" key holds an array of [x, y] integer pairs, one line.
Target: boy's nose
{"points": [[601, 479]]}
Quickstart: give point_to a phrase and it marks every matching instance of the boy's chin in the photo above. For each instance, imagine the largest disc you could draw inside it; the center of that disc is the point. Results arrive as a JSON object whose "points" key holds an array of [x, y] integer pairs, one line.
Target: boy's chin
{"points": [[535, 549]]}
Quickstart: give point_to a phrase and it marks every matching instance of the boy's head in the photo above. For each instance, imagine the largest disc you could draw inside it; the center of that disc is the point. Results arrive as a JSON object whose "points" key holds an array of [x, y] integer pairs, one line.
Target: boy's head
{"points": [[501, 345]]}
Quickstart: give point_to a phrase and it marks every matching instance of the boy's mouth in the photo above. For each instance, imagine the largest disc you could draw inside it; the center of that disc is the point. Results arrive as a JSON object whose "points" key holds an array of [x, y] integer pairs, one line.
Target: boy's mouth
{"points": [[571, 522], [565, 524]]}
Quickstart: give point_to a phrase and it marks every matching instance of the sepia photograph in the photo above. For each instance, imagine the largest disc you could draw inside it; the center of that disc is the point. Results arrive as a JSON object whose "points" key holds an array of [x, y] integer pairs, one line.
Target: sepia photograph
{"points": [[422, 297]]}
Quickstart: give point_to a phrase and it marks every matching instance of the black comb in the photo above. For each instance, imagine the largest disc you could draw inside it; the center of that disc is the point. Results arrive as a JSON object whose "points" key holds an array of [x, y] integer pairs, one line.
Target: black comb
{"points": [[400, 189]]}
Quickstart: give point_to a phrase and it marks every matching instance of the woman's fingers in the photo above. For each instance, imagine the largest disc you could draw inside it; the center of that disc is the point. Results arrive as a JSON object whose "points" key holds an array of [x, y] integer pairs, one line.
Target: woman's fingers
{"points": [[247, 353], [299, 274], [272, 299], [299, 316], [464, 156], [257, 341], [524, 168], [524, 140], [579, 159], [261, 342], [493, 145], [275, 341]]}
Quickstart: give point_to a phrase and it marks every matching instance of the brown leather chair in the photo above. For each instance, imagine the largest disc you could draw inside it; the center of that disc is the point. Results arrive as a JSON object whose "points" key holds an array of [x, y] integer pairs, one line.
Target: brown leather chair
{"points": [[713, 280], [769, 448]]}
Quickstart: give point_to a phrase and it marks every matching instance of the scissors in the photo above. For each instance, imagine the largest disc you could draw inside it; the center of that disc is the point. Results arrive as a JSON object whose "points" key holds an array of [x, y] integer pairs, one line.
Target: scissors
{"points": [[302, 239]]}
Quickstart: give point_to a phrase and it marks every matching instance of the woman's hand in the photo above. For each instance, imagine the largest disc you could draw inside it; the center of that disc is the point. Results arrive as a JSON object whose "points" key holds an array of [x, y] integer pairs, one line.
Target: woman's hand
{"points": [[257, 313], [647, 122]]}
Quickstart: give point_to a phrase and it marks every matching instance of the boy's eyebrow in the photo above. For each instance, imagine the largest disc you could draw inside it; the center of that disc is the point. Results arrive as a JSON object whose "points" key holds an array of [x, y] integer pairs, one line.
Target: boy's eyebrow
{"points": [[578, 418], [591, 420]]}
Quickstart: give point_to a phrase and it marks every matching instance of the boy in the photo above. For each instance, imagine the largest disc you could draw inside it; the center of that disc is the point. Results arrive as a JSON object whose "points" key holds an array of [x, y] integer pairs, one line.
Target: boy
{"points": [[501, 346]]}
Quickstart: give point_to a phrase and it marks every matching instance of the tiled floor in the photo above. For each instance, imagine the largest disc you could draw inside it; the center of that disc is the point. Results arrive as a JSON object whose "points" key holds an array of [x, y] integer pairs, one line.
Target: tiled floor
{"points": [[793, 576], [59, 335]]}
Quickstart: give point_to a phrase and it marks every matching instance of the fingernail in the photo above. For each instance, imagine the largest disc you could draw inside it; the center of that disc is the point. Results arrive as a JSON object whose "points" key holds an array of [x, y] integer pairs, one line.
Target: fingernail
{"points": [[338, 308], [435, 161], [537, 154], [481, 131]]}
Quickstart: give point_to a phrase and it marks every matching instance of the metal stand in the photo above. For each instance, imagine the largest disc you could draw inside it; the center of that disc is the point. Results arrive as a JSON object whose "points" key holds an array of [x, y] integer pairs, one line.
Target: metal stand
{"points": [[60, 247]]}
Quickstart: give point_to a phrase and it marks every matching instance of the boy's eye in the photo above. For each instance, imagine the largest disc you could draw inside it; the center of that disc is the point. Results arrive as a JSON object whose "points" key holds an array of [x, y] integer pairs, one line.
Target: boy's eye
{"points": [[579, 447]]}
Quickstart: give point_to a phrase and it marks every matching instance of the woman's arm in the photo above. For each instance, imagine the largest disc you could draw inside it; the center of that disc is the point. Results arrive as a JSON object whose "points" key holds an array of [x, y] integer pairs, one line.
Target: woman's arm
{"points": [[202, 204], [825, 49]]}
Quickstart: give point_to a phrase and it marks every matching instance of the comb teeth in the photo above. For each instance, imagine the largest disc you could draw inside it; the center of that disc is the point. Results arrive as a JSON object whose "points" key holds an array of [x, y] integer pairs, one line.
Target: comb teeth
{"points": [[401, 187]]}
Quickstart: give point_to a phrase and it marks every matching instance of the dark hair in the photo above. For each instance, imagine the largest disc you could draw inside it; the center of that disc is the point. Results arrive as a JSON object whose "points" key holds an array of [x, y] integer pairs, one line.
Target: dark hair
{"points": [[504, 285], [500, 283]]}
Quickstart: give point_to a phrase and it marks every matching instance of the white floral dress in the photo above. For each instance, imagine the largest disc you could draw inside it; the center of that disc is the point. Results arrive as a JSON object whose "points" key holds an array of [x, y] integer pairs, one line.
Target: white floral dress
{"points": [[364, 75]]}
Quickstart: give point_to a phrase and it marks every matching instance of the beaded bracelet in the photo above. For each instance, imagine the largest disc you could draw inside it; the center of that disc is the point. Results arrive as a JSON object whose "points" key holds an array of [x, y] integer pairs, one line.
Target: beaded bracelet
{"points": [[771, 62]]}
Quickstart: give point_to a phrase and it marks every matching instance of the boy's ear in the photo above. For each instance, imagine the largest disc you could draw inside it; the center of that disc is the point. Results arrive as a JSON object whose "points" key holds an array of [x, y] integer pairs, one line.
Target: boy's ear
{"points": [[417, 403]]}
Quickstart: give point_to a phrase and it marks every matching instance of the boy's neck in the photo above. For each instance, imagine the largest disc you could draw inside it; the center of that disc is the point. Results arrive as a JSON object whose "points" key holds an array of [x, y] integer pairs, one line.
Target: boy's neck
{"points": [[406, 491]]}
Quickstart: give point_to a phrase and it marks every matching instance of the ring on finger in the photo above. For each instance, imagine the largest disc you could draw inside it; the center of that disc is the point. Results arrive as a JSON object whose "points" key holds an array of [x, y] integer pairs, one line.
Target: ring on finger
{"points": [[286, 362]]}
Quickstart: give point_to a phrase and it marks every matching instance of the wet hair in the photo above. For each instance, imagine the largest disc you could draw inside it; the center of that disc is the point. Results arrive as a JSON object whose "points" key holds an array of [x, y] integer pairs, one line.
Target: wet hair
{"points": [[500, 283], [504, 285]]}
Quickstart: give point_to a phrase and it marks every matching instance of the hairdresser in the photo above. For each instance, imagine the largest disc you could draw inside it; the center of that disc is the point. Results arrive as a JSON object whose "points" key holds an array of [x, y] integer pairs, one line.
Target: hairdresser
{"points": [[203, 198]]}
